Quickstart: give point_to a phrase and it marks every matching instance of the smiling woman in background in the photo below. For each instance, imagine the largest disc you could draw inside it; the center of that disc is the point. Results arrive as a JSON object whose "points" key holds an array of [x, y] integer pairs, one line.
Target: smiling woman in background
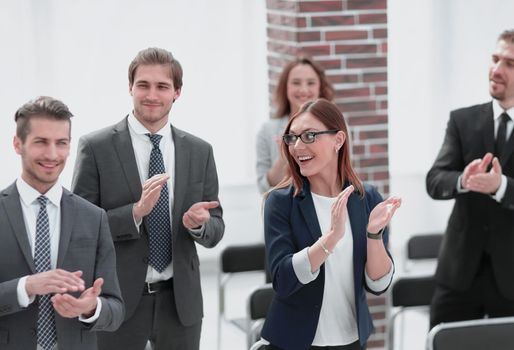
{"points": [[301, 80], [326, 238]]}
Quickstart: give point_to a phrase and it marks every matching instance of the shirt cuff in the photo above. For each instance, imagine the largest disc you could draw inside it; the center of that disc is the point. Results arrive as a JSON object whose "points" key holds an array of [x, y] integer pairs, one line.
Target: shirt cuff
{"points": [[382, 283], [23, 298], [459, 186], [197, 232], [96, 314], [137, 224], [302, 267], [498, 196]]}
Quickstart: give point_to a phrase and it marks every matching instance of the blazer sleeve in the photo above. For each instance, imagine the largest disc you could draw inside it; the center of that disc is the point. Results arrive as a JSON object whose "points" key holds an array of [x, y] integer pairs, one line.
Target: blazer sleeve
{"points": [[263, 159], [112, 313], [9, 297], [86, 184], [215, 227], [441, 180], [280, 244], [373, 199]]}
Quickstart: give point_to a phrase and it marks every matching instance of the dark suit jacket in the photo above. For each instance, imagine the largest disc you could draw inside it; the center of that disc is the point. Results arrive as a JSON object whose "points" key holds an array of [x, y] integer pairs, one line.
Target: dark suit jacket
{"points": [[106, 174], [477, 220], [290, 225], [85, 244]]}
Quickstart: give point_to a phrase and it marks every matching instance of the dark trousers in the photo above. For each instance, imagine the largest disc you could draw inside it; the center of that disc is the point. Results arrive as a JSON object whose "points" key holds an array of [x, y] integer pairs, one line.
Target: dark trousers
{"points": [[482, 299], [156, 320], [352, 346]]}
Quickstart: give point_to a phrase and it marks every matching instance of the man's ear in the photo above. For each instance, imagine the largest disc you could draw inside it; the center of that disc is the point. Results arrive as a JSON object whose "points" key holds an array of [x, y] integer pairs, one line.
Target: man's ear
{"points": [[16, 141], [177, 94], [130, 89]]}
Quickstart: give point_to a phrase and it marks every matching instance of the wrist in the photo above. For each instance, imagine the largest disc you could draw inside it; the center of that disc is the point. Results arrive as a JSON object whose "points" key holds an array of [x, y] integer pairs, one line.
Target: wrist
{"points": [[377, 236], [324, 247]]}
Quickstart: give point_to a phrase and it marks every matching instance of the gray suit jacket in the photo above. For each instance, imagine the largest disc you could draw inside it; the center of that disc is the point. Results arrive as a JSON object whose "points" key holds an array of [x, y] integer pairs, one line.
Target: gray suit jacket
{"points": [[106, 174], [85, 244]]}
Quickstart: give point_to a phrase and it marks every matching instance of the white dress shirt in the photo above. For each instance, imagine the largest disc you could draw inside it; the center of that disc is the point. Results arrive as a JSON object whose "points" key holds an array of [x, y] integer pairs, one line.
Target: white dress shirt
{"points": [[142, 149], [30, 209], [337, 323]]}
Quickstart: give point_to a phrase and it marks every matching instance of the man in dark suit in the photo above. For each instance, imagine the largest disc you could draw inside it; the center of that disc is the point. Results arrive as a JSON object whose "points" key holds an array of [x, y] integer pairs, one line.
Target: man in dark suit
{"points": [[476, 168], [159, 187], [58, 278]]}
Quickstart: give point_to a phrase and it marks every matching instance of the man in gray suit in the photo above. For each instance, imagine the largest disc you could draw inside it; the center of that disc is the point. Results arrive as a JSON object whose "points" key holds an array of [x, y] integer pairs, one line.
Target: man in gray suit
{"points": [[159, 187], [58, 279]]}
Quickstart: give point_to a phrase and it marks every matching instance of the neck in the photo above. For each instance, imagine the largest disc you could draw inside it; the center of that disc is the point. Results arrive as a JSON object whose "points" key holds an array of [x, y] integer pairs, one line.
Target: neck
{"points": [[506, 104], [42, 188], [152, 126], [326, 186]]}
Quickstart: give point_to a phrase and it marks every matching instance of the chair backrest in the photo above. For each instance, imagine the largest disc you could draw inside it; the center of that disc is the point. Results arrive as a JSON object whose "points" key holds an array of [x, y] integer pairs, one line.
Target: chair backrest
{"points": [[492, 333], [259, 302], [243, 258], [413, 291], [424, 246], [258, 305]]}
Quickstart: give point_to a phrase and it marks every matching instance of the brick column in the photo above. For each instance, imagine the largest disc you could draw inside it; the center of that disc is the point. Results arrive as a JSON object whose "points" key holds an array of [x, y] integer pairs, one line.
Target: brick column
{"points": [[349, 39]]}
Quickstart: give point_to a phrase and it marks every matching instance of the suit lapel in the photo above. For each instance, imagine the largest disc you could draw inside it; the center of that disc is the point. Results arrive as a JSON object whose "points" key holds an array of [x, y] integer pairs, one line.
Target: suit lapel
{"points": [[358, 221], [182, 165], [67, 219], [14, 212], [486, 125], [123, 146], [308, 211]]}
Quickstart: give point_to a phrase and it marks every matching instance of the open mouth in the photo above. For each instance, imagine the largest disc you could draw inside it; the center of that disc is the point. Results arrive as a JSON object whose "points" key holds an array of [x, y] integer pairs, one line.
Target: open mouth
{"points": [[303, 159]]}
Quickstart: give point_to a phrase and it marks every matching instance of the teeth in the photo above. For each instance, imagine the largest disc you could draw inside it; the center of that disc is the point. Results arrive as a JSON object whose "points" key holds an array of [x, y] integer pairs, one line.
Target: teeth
{"points": [[302, 158]]}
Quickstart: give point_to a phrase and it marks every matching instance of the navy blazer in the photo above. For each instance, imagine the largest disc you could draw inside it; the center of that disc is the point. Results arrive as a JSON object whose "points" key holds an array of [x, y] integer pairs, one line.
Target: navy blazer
{"points": [[290, 225]]}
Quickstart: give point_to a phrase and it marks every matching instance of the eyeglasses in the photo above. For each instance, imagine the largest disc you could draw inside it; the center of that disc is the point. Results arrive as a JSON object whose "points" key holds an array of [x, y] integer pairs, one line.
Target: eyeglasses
{"points": [[306, 136]]}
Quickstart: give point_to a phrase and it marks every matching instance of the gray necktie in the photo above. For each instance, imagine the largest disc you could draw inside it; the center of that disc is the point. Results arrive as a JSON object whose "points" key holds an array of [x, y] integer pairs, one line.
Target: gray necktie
{"points": [[159, 227], [46, 331]]}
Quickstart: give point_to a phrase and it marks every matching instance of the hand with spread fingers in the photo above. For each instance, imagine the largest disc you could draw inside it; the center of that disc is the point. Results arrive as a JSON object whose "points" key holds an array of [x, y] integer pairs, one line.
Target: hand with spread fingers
{"points": [[198, 214], [149, 196], [339, 212], [382, 214], [68, 306]]}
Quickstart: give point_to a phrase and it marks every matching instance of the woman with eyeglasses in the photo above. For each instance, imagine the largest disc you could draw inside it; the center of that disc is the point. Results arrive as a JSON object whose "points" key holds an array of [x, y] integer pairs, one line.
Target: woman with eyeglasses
{"points": [[326, 236], [301, 80]]}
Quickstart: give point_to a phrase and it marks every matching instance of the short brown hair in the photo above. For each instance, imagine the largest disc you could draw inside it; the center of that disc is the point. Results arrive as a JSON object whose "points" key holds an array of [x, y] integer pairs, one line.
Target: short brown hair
{"points": [[153, 56], [283, 107], [507, 35], [330, 115], [40, 107]]}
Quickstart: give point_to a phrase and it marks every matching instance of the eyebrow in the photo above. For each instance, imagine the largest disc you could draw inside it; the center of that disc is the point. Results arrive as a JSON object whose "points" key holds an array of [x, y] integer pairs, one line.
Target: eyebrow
{"points": [[304, 130]]}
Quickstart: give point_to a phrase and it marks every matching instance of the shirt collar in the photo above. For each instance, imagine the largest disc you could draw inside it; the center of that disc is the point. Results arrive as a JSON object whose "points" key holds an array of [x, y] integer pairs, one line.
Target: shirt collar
{"points": [[29, 195], [498, 110], [140, 129]]}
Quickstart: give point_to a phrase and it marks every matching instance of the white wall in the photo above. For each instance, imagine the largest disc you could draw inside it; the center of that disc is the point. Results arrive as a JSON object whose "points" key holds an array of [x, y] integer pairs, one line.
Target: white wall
{"points": [[79, 51]]}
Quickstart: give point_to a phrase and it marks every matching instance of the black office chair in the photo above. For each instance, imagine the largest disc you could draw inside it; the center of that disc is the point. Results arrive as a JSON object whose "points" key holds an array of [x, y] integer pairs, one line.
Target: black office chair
{"points": [[235, 260], [490, 333], [422, 247], [414, 292], [258, 304]]}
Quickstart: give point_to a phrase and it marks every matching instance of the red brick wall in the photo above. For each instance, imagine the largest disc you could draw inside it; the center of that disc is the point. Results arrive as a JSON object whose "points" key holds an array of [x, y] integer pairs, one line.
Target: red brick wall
{"points": [[349, 39]]}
